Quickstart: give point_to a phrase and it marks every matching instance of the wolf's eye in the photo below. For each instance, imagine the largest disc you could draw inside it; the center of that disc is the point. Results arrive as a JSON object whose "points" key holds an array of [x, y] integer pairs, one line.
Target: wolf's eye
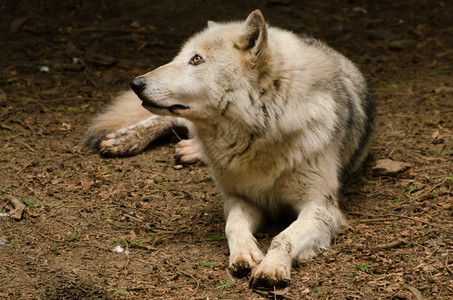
{"points": [[196, 60]]}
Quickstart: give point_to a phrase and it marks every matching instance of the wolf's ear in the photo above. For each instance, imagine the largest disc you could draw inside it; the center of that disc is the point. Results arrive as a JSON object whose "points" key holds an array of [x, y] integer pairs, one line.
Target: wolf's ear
{"points": [[211, 23], [254, 35]]}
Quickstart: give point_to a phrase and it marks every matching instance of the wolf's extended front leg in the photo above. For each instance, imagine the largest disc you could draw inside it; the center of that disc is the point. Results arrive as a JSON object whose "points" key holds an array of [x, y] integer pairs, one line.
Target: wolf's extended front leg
{"points": [[134, 139], [317, 224], [242, 220]]}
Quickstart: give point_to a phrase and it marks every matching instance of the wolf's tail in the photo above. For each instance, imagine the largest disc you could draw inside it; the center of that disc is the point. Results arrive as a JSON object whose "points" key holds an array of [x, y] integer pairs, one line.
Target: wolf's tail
{"points": [[126, 110]]}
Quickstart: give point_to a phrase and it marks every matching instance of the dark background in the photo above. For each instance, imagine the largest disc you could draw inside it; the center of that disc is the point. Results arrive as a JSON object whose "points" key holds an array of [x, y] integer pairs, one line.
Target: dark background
{"points": [[62, 61]]}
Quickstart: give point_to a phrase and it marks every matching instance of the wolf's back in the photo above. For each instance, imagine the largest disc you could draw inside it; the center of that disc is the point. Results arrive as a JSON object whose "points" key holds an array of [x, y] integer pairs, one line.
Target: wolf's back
{"points": [[355, 108]]}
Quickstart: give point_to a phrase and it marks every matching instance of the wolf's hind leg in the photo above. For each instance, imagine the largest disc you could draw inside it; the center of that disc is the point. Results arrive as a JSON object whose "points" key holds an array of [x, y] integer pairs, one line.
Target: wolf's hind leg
{"points": [[125, 111], [134, 139]]}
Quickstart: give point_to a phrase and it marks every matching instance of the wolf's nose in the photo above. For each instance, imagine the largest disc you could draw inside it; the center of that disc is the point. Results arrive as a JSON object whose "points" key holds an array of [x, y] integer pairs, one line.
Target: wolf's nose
{"points": [[138, 84]]}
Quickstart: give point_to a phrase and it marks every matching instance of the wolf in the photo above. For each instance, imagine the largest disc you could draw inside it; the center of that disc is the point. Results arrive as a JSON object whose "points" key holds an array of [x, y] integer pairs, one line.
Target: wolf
{"points": [[281, 121]]}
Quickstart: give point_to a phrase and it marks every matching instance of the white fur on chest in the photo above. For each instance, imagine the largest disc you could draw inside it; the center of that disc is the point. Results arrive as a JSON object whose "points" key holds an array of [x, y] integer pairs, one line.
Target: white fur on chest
{"points": [[269, 175]]}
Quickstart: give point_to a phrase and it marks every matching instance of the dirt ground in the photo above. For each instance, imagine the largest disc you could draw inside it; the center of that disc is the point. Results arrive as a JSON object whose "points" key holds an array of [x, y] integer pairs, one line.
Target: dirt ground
{"points": [[62, 61]]}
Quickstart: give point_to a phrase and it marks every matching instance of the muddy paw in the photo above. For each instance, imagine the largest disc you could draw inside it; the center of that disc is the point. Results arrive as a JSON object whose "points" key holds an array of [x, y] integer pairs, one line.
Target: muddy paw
{"points": [[122, 143], [188, 151], [241, 269], [242, 263], [270, 276]]}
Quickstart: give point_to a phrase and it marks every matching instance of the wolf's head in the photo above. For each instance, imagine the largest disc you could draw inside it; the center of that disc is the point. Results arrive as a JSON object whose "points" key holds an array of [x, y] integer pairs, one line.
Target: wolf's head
{"points": [[216, 71]]}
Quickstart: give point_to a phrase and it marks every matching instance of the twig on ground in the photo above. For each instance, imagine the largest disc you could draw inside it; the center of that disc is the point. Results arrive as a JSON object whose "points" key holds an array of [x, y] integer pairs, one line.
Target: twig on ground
{"points": [[428, 191], [27, 165], [133, 218], [446, 264], [90, 79], [89, 223], [3, 126], [382, 218], [177, 135], [21, 187], [390, 245], [26, 146], [432, 253], [179, 272], [377, 220], [38, 103], [47, 237], [417, 220], [127, 255]]}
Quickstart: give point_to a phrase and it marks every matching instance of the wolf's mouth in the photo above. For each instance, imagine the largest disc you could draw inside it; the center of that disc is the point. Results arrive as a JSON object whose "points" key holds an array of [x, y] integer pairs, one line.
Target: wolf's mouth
{"points": [[172, 108]]}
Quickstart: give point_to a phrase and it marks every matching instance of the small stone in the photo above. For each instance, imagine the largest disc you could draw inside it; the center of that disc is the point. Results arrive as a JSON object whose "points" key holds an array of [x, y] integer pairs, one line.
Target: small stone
{"points": [[177, 167], [44, 69], [388, 167]]}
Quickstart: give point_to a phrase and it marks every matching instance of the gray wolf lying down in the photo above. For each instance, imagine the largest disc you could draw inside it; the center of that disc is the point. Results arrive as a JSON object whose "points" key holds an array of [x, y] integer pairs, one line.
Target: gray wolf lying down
{"points": [[280, 120]]}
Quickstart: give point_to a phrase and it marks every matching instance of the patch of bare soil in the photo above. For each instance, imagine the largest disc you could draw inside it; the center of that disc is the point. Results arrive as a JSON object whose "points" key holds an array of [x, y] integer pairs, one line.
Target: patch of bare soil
{"points": [[62, 61]]}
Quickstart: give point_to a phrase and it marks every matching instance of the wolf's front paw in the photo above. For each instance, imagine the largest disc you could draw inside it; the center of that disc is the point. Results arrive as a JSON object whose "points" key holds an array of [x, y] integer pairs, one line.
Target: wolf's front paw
{"points": [[123, 142], [188, 151], [271, 273], [244, 260]]}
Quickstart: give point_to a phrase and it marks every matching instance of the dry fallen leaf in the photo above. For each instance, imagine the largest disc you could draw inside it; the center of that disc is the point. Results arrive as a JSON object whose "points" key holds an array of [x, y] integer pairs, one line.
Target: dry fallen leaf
{"points": [[17, 24], [443, 89], [132, 235], [135, 24], [435, 134]]}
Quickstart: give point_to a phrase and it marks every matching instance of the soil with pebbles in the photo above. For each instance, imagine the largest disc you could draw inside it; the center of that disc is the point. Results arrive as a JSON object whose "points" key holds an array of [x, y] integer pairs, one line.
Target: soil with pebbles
{"points": [[62, 62]]}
